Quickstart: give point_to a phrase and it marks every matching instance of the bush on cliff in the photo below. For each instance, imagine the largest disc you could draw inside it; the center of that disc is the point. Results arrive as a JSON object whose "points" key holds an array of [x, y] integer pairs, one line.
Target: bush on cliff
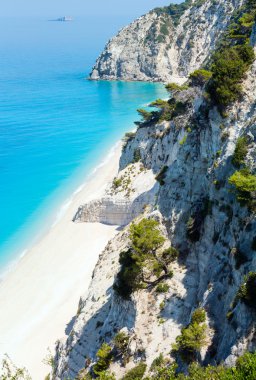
{"points": [[228, 69], [193, 337], [145, 263], [245, 185], [247, 291], [200, 77], [121, 342], [104, 357], [136, 373], [234, 57], [245, 369], [240, 152], [174, 88]]}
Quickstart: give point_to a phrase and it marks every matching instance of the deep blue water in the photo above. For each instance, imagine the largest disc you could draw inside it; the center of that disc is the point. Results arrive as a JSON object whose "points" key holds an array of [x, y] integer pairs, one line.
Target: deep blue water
{"points": [[55, 126]]}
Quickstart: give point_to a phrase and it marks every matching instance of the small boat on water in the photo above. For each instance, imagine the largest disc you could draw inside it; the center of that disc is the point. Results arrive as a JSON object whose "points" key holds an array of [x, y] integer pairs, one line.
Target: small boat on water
{"points": [[64, 19]]}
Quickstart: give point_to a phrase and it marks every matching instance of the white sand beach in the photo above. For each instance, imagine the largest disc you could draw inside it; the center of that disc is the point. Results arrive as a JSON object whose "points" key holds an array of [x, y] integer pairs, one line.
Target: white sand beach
{"points": [[40, 295]]}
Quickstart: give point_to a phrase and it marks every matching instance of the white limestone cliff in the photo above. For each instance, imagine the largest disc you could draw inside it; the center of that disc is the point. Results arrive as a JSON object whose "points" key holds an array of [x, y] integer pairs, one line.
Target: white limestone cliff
{"points": [[195, 150], [131, 191], [207, 273], [153, 48]]}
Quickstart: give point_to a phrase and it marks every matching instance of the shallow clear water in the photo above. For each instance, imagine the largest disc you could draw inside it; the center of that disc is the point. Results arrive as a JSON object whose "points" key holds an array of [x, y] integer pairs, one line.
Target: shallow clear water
{"points": [[55, 126]]}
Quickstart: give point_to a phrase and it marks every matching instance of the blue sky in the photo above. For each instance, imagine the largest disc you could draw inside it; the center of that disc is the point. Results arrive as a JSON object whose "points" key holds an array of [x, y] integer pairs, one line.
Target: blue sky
{"points": [[52, 8], [95, 22]]}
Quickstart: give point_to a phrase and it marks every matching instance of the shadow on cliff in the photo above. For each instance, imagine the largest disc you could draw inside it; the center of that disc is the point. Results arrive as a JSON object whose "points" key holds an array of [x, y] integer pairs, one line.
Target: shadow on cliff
{"points": [[210, 268], [113, 315]]}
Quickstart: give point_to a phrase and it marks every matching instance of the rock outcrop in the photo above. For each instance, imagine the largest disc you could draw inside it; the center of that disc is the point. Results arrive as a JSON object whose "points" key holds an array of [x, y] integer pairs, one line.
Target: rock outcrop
{"points": [[156, 47], [131, 191]]}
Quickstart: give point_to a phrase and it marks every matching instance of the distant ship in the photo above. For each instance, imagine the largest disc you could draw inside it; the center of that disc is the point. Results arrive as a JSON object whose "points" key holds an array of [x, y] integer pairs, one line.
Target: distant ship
{"points": [[64, 19]]}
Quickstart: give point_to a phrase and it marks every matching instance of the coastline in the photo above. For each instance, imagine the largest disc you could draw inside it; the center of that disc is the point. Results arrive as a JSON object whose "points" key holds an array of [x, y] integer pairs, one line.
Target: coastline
{"points": [[56, 207], [40, 294]]}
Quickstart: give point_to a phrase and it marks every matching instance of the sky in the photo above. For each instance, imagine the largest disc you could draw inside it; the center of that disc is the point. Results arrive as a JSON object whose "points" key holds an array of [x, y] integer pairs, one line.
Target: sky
{"points": [[24, 23], [57, 8]]}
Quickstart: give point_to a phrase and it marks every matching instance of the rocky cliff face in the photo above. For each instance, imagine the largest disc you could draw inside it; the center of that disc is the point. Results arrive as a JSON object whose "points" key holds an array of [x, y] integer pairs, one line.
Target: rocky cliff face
{"points": [[209, 272], [191, 157], [157, 47]]}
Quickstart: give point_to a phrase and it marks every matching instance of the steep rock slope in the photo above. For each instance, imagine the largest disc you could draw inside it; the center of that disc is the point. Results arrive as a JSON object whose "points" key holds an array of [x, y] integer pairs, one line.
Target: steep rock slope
{"points": [[212, 263], [185, 164], [161, 47]]}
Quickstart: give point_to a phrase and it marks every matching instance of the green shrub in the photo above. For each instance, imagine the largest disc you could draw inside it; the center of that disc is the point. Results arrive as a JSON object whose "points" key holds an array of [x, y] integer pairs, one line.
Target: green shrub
{"points": [[245, 184], [247, 20], [165, 109], [247, 291], [183, 140], [129, 278], [240, 152], [198, 316], [121, 341], [159, 103], [193, 337], [136, 155], [164, 29], [174, 10], [146, 115], [228, 69], [9, 371], [129, 136], [157, 362], [136, 373], [106, 376], [200, 77], [234, 56], [117, 182], [142, 260], [173, 88], [162, 288], [104, 357], [146, 237], [245, 369], [161, 369], [196, 372], [169, 255]]}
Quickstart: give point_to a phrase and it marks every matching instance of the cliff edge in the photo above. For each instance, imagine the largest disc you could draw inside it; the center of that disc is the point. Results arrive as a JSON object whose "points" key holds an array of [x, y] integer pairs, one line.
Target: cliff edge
{"points": [[166, 44]]}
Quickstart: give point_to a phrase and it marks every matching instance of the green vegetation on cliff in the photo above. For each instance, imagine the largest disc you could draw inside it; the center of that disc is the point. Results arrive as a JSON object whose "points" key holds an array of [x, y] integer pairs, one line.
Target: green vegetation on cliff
{"points": [[177, 10], [240, 152], [245, 185], [193, 337], [145, 263], [228, 69], [247, 291], [163, 369], [233, 57]]}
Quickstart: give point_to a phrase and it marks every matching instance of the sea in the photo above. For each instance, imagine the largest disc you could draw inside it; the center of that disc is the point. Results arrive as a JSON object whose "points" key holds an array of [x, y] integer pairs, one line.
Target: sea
{"points": [[56, 126]]}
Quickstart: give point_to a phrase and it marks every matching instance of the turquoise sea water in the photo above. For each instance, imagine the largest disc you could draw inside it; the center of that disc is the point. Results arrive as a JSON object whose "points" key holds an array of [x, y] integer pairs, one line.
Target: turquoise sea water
{"points": [[55, 126]]}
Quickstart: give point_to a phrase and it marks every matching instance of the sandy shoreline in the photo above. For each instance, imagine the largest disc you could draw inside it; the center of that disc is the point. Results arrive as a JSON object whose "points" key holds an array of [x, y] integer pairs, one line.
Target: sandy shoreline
{"points": [[40, 295]]}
